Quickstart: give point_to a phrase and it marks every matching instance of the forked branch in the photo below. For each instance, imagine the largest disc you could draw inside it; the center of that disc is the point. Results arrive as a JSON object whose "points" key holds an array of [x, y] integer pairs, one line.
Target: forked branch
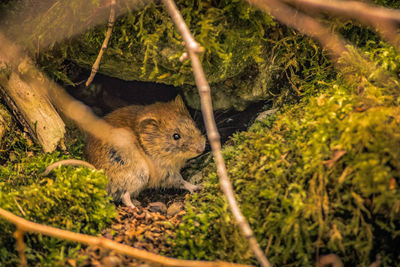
{"points": [[193, 49]]}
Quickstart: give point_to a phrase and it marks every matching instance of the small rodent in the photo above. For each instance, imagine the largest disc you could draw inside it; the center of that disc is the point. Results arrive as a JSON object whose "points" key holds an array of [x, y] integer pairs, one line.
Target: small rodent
{"points": [[165, 136]]}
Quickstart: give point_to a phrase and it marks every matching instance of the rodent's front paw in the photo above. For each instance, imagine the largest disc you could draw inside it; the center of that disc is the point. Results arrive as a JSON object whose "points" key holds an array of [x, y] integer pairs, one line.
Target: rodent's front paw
{"points": [[191, 187]]}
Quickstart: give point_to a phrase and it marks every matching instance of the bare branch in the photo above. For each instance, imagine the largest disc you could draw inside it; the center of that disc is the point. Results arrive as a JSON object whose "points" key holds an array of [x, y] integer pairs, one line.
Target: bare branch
{"points": [[329, 260], [384, 19], [28, 226], [19, 236], [303, 23], [96, 64], [206, 107]]}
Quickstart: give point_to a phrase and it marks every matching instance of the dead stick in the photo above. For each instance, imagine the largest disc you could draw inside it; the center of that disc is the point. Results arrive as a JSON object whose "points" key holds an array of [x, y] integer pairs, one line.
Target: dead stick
{"points": [[384, 19], [19, 236], [28, 226], [352, 9], [206, 107], [96, 64], [19, 207], [67, 162], [303, 23]]}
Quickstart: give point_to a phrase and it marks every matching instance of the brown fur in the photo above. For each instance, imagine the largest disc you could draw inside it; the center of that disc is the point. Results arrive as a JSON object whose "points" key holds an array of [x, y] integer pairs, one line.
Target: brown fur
{"points": [[158, 158]]}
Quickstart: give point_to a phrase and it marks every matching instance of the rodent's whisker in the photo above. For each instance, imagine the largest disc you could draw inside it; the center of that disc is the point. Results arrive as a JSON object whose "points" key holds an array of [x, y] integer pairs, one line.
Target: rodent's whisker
{"points": [[196, 112], [220, 113]]}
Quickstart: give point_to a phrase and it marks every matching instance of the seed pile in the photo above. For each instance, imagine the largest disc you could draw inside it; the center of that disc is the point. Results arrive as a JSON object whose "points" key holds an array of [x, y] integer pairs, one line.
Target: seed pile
{"points": [[146, 227]]}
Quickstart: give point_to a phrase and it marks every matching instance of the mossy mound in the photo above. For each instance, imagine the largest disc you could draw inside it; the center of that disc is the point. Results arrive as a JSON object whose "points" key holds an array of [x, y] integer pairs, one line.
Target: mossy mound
{"points": [[320, 177], [146, 45], [248, 56], [70, 198]]}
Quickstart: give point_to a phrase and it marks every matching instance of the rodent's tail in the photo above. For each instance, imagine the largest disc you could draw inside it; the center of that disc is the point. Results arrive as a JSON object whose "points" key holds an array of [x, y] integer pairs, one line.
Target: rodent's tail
{"points": [[67, 162]]}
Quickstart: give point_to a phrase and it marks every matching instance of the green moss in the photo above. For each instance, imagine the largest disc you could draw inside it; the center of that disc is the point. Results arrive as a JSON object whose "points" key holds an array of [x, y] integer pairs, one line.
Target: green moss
{"points": [[248, 57], [246, 52], [71, 198], [146, 46], [320, 177]]}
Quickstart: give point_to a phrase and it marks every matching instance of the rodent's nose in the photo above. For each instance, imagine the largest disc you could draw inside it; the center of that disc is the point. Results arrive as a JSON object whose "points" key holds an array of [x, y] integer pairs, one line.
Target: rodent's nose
{"points": [[200, 147]]}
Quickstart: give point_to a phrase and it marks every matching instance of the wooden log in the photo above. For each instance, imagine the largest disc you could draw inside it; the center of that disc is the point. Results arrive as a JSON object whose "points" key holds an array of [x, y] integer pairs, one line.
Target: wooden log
{"points": [[33, 110]]}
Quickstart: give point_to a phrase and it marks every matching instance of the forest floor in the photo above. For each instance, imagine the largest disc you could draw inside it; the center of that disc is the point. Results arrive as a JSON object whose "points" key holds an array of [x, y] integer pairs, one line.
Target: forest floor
{"points": [[147, 227]]}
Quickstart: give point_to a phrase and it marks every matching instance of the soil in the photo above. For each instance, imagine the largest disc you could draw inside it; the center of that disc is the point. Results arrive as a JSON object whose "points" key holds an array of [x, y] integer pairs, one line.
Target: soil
{"points": [[146, 227]]}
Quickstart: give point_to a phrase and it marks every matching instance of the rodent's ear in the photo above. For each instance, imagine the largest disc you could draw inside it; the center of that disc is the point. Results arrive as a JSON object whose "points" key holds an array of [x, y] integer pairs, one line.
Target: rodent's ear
{"points": [[146, 122], [180, 104]]}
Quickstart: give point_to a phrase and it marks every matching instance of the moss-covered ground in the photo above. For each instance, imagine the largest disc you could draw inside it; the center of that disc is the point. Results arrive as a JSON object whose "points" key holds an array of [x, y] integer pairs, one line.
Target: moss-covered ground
{"points": [[320, 177], [70, 198]]}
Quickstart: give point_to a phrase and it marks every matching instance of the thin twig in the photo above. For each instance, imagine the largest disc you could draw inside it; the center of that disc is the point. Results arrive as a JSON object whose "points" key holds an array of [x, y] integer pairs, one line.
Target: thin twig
{"points": [[67, 162], [206, 106], [19, 236], [269, 243], [28, 226], [19, 207], [384, 19], [103, 48], [303, 23]]}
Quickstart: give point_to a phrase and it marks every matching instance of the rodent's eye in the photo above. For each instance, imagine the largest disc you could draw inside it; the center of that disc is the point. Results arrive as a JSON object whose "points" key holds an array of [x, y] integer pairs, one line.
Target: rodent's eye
{"points": [[176, 136]]}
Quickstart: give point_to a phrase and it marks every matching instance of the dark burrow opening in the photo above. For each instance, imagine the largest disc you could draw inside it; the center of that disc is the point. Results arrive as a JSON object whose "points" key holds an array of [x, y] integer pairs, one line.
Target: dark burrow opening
{"points": [[106, 94]]}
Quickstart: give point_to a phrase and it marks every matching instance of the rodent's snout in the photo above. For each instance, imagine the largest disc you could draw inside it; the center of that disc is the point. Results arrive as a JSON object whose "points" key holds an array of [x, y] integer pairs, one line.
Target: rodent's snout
{"points": [[200, 147]]}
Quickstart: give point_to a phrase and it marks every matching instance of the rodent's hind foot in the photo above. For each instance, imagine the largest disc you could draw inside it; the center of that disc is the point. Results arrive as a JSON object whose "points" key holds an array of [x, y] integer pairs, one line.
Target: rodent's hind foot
{"points": [[126, 200], [190, 187]]}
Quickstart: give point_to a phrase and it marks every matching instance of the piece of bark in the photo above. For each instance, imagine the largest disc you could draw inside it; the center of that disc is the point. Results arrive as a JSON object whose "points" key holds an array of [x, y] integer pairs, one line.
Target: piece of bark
{"points": [[33, 110], [5, 121]]}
